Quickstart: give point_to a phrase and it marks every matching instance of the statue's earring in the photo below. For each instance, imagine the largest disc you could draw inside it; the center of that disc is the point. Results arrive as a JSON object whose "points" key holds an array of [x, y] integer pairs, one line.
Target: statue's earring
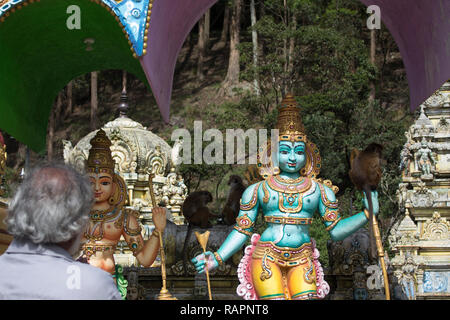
{"points": [[113, 199], [276, 170]]}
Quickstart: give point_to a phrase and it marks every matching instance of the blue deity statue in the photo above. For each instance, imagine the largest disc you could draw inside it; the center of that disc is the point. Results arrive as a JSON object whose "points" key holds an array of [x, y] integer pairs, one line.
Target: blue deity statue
{"points": [[282, 262]]}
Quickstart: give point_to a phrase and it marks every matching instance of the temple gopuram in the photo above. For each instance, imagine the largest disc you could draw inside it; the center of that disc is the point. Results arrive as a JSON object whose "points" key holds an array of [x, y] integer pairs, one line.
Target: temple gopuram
{"points": [[421, 239]]}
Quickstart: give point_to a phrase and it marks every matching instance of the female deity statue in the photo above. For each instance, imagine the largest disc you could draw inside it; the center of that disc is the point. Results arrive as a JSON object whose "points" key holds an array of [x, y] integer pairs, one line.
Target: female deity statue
{"points": [[109, 220], [425, 159], [283, 263]]}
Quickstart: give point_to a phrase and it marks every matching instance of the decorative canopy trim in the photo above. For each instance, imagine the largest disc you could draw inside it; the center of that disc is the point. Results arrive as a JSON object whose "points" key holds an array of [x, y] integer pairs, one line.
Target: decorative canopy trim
{"points": [[133, 17]]}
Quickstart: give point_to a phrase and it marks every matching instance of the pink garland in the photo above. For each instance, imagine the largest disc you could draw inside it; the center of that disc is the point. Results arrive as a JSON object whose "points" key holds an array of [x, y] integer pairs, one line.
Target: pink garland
{"points": [[246, 289], [322, 286]]}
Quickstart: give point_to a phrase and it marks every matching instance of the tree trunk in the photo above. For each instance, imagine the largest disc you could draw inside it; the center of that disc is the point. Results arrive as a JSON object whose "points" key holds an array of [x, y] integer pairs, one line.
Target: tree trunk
{"points": [[69, 107], [255, 46], [201, 47], [94, 100], [293, 27], [285, 49], [232, 77], [58, 107], [207, 18], [51, 134], [124, 80], [226, 26], [373, 47]]}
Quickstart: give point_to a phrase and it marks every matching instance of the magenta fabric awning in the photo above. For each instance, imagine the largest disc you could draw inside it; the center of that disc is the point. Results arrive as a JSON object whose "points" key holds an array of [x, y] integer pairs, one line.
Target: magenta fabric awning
{"points": [[421, 29], [170, 23]]}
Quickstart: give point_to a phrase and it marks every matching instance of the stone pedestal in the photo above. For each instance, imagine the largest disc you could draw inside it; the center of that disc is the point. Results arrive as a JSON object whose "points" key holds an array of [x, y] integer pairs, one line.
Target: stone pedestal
{"points": [[352, 275]]}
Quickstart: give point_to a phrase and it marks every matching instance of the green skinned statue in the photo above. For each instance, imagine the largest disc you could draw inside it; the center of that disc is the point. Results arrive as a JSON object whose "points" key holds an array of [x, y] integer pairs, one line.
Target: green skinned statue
{"points": [[282, 262]]}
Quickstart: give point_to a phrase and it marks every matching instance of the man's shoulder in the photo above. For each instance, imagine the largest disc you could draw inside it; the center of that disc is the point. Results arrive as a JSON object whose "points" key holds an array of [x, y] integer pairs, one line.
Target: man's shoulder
{"points": [[91, 271]]}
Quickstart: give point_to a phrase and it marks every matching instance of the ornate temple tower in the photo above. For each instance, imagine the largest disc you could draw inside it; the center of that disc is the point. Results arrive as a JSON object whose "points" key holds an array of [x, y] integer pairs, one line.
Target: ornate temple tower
{"points": [[421, 240]]}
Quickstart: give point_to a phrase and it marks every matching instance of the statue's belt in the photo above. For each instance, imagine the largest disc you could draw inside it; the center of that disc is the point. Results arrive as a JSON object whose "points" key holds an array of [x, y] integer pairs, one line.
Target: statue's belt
{"points": [[284, 256], [89, 249], [288, 220]]}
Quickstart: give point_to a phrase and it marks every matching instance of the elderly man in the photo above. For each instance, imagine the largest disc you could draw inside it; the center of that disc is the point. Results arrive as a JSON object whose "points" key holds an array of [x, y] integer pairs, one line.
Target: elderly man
{"points": [[46, 218]]}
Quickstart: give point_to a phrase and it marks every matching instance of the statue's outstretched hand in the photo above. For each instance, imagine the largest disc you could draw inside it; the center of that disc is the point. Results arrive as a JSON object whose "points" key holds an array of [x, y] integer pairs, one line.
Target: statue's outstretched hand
{"points": [[159, 218], [199, 262], [375, 203]]}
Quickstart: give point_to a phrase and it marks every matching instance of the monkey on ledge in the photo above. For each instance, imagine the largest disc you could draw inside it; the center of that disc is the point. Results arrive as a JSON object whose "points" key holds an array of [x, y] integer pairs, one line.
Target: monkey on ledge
{"points": [[282, 262]]}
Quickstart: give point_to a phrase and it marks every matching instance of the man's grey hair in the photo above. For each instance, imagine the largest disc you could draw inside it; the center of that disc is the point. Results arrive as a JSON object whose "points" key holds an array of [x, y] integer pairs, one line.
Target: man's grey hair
{"points": [[51, 205]]}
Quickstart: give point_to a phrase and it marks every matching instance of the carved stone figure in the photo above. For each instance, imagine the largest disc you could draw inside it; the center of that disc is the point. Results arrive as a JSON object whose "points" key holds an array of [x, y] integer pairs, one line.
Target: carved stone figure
{"points": [[174, 192], [408, 279], [405, 159], [425, 160], [402, 195]]}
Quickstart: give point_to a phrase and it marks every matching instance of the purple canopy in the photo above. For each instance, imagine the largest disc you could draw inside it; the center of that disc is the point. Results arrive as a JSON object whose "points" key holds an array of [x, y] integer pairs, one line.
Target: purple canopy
{"points": [[170, 23], [421, 29]]}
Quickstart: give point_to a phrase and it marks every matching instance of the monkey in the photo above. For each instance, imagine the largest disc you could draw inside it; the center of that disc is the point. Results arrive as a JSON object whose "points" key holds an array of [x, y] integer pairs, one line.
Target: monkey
{"points": [[195, 210], [232, 205], [197, 214], [365, 173]]}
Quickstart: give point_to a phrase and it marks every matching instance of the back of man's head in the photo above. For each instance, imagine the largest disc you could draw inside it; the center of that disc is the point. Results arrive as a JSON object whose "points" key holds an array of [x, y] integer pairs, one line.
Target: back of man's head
{"points": [[51, 205]]}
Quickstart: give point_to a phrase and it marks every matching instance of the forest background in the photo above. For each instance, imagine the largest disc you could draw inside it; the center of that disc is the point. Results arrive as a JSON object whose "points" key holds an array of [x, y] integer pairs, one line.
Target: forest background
{"points": [[234, 68]]}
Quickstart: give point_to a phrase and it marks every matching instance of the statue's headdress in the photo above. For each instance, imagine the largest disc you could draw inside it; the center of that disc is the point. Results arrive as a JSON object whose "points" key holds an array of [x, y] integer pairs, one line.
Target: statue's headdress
{"points": [[289, 121], [100, 159], [290, 126]]}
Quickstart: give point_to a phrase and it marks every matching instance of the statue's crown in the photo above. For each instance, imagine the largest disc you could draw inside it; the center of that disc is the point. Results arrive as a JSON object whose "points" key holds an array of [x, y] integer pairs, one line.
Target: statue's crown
{"points": [[289, 122], [100, 159]]}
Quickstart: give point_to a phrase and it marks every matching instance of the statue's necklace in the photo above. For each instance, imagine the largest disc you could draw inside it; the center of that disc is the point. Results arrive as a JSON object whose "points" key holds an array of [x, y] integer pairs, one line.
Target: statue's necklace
{"points": [[290, 190], [98, 217]]}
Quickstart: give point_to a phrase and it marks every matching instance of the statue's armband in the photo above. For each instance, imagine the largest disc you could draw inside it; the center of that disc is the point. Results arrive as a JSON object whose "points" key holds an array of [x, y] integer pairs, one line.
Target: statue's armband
{"points": [[253, 201], [329, 208], [248, 211], [331, 217], [132, 232], [329, 200]]}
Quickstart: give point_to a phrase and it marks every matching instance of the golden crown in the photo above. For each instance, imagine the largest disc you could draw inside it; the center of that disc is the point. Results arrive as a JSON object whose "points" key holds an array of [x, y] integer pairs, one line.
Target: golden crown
{"points": [[289, 122], [290, 128], [100, 159]]}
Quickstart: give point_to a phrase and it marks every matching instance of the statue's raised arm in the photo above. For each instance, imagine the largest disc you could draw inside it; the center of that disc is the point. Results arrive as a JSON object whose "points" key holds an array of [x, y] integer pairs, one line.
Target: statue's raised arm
{"points": [[340, 228]]}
